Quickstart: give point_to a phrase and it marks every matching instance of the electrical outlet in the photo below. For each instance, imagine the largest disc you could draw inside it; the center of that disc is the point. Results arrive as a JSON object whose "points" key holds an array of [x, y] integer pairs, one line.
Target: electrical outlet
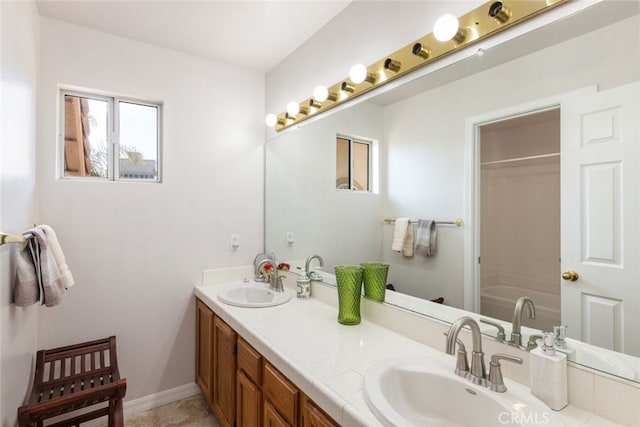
{"points": [[235, 241], [290, 238]]}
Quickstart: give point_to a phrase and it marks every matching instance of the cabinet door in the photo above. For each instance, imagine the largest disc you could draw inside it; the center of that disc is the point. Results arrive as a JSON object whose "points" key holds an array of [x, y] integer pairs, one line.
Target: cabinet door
{"points": [[248, 399], [280, 393], [204, 348], [271, 418], [312, 416], [224, 372]]}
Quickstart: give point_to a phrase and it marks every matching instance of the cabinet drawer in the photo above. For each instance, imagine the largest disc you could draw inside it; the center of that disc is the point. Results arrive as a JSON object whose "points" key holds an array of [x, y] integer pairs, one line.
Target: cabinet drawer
{"points": [[249, 361], [284, 396]]}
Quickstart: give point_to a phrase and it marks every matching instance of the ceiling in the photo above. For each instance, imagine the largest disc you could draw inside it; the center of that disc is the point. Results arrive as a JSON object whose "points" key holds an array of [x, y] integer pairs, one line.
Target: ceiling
{"points": [[255, 34]]}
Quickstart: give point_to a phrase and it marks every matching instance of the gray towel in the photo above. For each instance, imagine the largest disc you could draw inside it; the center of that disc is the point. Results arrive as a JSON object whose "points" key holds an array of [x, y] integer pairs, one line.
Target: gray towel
{"points": [[48, 288], [27, 287], [426, 238]]}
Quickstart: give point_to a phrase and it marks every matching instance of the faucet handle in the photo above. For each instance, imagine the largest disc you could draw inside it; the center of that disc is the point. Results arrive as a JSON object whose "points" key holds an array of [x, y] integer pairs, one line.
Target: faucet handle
{"points": [[495, 382], [462, 364], [500, 336]]}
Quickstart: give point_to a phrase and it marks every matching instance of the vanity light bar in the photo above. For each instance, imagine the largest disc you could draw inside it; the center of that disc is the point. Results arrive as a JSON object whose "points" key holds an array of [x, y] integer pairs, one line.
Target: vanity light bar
{"points": [[482, 22]]}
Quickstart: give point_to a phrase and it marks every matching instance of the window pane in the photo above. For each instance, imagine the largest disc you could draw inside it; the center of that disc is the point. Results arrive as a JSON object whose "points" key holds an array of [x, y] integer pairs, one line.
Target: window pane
{"points": [[138, 141], [342, 164], [360, 153], [85, 137]]}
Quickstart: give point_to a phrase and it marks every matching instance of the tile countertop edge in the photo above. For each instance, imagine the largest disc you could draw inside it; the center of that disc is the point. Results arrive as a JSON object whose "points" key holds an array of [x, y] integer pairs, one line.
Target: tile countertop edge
{"points": [[351, 412]]}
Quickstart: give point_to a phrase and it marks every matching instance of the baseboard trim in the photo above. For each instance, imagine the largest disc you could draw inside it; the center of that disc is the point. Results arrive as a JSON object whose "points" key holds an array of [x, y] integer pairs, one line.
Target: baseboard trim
{"points": [[158, 399], [151, 401]]}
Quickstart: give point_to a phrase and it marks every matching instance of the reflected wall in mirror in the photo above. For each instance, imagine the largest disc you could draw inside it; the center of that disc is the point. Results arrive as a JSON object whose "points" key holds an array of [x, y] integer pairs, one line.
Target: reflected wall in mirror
{"points": [[425, 166]]}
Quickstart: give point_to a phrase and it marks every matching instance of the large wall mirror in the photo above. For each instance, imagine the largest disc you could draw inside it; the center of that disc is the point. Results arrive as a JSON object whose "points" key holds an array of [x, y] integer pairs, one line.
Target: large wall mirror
{"points": [[531, 144]]}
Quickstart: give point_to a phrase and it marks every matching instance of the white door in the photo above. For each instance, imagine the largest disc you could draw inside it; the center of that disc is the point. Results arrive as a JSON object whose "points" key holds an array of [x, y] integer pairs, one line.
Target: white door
{"points": [[600, 216]]}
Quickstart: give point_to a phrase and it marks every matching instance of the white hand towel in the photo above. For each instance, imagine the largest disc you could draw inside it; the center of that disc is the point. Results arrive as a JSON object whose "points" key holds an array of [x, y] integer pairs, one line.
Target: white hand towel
{"points": [[49, 273], [399, 233], [407, 245], [58, 255], [426, 238]]}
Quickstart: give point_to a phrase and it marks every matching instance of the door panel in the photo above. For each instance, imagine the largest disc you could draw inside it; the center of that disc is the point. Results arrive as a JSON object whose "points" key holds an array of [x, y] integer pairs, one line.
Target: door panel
{"points": [[600, 210]]}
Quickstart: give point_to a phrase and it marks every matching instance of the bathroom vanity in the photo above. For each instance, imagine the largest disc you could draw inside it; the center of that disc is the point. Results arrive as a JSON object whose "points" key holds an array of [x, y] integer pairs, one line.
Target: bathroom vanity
{"points": [[294, 364], [241, 386]]}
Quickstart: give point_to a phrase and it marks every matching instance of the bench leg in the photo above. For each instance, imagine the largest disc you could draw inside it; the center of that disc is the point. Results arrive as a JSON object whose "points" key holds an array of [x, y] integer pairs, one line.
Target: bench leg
{"points": [[115, 413]]}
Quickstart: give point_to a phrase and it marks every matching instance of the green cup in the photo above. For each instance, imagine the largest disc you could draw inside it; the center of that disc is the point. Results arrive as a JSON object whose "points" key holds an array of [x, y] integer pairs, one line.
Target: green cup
{"points": [[349, 279], [375, 280]]}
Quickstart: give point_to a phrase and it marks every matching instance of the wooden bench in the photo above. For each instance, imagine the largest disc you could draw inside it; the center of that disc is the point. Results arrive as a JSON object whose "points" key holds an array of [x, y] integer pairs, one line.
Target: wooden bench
{"points": [[75, 377]]}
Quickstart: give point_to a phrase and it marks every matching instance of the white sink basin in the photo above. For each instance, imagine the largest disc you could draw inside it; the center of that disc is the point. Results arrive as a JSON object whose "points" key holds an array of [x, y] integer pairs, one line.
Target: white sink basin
{"points": [[253, 295], [418, 391]]}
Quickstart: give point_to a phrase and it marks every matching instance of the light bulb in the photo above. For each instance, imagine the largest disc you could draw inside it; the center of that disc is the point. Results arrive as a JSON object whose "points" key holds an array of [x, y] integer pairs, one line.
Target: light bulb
{"points": [[271, 120], [320, 93], [358, 73], [293, 108], [446, 28]]}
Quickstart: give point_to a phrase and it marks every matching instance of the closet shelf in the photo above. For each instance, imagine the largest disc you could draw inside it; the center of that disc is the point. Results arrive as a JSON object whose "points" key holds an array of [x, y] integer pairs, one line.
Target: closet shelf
{"points": [[520, 159]]}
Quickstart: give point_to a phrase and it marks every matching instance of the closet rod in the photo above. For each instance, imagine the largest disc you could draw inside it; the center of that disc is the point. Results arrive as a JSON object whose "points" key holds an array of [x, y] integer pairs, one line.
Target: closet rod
{"points": [[520, 159]]}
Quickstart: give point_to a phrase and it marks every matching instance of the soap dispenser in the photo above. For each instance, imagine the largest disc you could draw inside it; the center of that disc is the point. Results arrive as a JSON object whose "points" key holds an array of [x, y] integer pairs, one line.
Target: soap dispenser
{"points": [[549, 374]]}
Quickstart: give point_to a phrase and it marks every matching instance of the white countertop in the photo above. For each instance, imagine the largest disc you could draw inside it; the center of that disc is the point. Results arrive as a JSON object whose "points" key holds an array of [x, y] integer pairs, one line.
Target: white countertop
{"points": [[327, 360]]}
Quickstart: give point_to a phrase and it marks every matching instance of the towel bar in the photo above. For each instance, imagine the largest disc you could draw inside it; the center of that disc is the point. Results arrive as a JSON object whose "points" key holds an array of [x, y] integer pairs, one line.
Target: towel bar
{"points": [[457, 222], [13, 238]]}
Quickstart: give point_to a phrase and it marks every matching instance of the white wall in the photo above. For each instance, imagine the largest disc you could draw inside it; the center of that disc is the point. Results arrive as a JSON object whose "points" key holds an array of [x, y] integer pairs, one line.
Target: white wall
{"points": [[18, 80], [301, 196], [137, 249]]}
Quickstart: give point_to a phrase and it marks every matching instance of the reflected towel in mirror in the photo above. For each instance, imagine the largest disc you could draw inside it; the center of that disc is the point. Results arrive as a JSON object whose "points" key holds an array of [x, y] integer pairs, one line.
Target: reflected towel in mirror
{"points": [[426, 238]]}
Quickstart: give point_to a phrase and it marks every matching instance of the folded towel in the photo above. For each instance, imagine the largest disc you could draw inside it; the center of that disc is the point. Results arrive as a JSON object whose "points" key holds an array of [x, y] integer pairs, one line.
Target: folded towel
{"points": [[48, 287], [58, 255], [407, 245], [426, 238], [27, 288], [399, 233]]}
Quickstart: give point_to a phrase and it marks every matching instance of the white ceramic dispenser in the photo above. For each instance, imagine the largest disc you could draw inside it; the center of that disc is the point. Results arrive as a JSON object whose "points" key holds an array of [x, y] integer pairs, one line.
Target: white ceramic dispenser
{"points": [[549, 374]]}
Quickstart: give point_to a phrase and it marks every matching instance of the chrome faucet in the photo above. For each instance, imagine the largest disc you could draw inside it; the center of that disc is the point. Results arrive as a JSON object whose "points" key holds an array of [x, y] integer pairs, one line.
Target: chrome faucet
{"points": [[311, 257], [478, 370], [516, 335], [276, 280]]}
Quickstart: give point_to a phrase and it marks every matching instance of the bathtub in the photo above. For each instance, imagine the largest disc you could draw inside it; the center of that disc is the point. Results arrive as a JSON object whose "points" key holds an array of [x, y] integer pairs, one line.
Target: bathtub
{"points": [[498, 301]]}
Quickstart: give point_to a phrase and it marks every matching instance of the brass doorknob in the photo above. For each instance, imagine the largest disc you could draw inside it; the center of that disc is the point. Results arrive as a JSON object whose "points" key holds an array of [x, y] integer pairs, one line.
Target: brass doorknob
{"points": [[570, 275]]}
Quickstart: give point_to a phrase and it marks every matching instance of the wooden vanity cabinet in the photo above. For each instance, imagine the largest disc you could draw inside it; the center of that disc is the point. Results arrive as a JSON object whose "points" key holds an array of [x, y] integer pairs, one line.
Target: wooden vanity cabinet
{"points": [[280, 395], [242, 388], [313, 416], [248, 393], [224, 373], [204, 349]]}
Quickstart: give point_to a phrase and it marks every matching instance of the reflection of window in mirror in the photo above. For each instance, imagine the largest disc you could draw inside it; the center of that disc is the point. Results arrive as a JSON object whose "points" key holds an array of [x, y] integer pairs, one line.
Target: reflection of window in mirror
{"points": [[353, 163]]}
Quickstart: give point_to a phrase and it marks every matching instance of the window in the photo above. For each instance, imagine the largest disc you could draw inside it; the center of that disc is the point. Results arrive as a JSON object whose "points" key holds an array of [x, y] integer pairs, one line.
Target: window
{"points": [[353, 163], [110, 138]]}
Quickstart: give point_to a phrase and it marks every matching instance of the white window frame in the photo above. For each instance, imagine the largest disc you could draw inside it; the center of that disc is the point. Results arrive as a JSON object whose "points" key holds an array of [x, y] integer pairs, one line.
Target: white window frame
{"points": [[370, 162], [113, 135]]}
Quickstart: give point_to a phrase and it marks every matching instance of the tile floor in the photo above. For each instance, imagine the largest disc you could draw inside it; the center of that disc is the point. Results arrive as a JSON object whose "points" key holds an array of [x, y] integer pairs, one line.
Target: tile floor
{"points": [[190, 412]]}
